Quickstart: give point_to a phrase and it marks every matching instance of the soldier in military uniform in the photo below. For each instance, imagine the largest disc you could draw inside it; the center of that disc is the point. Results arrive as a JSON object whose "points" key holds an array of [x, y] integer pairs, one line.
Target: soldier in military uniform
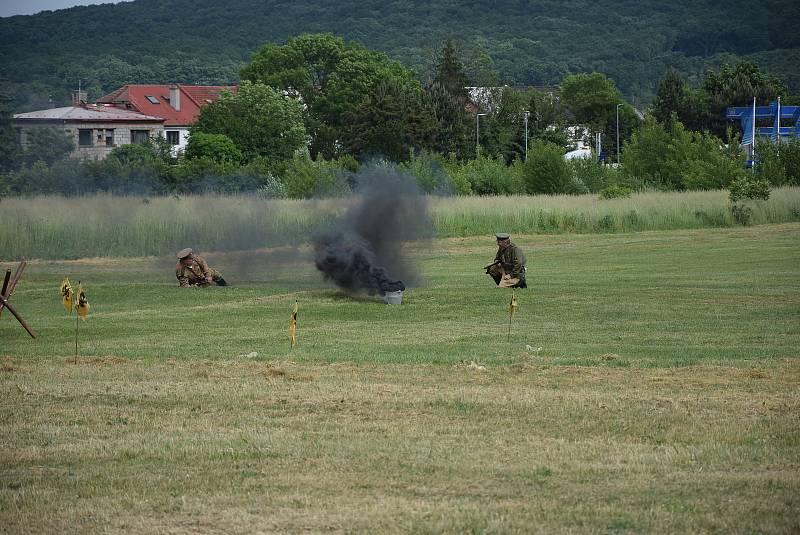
{"points": [[193, 270], [508, 268]]}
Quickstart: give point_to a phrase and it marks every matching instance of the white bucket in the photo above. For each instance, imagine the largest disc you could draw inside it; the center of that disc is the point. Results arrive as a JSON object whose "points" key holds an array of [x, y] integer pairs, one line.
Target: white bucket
{"points": [[393, 298]]}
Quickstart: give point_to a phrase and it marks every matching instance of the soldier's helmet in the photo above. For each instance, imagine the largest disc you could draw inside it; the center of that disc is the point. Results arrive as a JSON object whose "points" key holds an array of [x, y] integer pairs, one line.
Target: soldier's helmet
{"points": [[502, 236], [183, 253]]}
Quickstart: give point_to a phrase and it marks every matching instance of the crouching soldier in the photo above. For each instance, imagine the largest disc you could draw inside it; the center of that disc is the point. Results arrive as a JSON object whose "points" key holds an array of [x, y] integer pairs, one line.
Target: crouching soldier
{"points": [[508, 268], [192, 270]]}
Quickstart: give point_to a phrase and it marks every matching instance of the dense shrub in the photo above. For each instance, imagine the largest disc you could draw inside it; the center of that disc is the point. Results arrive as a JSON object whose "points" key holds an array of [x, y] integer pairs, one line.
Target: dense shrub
{"points": [[678, 159], [260, 120], [546, 171], [48, 144], [779, 163], [592, 174], [202, 175], [489, 176], [430, 169], [615, 192], [216, 147], [304, 177], [36, 178], [272, 188], [749, 187]]}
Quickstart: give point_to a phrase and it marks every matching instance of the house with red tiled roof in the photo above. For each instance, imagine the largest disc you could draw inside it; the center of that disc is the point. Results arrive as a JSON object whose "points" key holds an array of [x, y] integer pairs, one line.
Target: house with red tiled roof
{"points": [[95, 128], [179, 105]]}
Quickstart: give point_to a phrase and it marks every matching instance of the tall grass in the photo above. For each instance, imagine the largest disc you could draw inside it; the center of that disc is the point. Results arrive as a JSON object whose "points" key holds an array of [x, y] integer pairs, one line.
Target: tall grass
{"points": [[469, 216], [106, 225]]}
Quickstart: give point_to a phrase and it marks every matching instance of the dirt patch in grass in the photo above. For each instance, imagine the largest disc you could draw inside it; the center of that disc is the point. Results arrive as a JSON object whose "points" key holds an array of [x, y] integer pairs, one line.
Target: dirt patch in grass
{"points": [[97, 361]]}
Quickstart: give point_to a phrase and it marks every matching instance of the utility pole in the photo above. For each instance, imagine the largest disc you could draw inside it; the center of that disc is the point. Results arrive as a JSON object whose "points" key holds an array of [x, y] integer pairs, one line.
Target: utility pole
{"points": [[527, 113], [618, 105], [478, 131]]}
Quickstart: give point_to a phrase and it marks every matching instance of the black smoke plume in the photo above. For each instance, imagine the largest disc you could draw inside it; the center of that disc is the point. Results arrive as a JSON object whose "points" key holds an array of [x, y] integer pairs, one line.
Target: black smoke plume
{"points": [[364, 249]]}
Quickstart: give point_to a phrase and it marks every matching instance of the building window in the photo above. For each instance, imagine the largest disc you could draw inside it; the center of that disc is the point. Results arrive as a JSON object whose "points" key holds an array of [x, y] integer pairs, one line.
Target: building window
{"points": [[152, 99], [109, 137], [173, 137], [84, 138], [140, 136]]}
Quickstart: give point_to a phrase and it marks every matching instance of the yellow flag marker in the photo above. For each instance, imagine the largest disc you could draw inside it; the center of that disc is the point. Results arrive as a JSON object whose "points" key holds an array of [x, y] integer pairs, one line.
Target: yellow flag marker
{"points": [[82, 306], [512, 308], [82, 309], [293, 327], [66, 294]]}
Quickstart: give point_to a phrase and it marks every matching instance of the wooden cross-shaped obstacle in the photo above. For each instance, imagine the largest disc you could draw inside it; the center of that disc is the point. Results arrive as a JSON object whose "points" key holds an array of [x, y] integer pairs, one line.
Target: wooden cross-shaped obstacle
{"points": [[5, 293]]}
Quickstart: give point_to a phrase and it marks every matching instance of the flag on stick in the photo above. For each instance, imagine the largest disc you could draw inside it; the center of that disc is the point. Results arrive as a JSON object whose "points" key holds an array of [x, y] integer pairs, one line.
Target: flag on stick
{"points": [[293, 327], [82, 306], [82, 309], [512, 308], [66, 294]]}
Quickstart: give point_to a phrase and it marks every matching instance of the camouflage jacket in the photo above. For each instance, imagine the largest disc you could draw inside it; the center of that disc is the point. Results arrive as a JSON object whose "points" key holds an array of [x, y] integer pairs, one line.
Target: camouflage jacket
{"points": [[512, 260], [194, 274]]}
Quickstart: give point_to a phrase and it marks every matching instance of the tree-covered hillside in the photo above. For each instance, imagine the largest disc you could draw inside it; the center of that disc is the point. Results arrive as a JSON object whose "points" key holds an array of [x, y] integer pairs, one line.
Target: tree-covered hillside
{"points": [[517, 42]]}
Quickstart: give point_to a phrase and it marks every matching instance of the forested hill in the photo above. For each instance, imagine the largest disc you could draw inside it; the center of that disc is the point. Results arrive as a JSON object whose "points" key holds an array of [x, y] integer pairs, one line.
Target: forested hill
{"points": [[526, 42]]}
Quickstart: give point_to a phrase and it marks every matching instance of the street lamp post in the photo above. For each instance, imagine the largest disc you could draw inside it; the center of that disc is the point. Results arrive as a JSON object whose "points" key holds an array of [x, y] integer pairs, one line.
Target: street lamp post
{"points": [[527, 113], [478, 130], [618, 105]]}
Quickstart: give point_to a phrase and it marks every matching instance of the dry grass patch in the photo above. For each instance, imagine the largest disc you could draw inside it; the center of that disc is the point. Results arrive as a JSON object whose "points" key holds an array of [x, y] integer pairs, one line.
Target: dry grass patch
{"points": [[212, 447]]}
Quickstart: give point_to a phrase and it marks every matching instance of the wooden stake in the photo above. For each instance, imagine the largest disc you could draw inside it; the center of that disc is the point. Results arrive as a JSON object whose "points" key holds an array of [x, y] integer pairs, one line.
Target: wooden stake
{"points": [[76, 338]]}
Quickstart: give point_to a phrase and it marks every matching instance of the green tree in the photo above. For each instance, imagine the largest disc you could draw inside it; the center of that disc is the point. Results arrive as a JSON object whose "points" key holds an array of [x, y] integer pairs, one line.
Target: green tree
{"points": [[491, 176], [305, 177], [217, 147], [450, 72], [677, 158], [453, 132], [332, 79], [546, 118], [389, 122], [675, 97], [48, 144], [591, 100], [503, 129], [435, 174], [672, 96], [547, 172], [736, 86], [259, 120], [9, 149], [779, 163]]}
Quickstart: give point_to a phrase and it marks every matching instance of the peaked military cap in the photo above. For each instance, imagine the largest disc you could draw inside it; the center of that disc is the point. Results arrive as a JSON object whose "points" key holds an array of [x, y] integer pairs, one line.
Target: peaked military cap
{"points": [[183, 253], [502, 236]]}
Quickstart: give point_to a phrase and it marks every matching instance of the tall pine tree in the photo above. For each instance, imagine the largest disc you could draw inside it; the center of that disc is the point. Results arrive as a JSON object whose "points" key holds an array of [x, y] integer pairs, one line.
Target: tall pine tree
{"points": [[450, 73], [9, 151]]}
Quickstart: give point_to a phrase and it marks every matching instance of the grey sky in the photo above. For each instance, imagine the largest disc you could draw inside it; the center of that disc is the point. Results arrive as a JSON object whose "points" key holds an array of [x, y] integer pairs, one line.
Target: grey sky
{"points": [[29, 7]]}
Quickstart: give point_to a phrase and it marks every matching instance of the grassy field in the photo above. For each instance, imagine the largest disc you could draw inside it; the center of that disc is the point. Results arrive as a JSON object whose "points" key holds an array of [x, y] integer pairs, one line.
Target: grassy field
{"points": [[663, 398], [55, 227]]}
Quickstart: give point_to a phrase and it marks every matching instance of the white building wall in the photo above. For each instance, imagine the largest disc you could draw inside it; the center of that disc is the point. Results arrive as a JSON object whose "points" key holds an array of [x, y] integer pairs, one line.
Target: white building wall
{"points": [[183, 138]]}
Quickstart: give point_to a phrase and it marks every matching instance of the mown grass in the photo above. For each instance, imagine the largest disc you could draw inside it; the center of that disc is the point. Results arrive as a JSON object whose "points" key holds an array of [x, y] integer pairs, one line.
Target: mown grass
{"points": [[662, 400], [55, 227], [655, 298], [240, 446]]}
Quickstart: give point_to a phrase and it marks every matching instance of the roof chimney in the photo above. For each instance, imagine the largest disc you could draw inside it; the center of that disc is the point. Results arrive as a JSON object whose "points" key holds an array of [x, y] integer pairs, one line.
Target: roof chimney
{"points": [[78, 98], [175, 97]]}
